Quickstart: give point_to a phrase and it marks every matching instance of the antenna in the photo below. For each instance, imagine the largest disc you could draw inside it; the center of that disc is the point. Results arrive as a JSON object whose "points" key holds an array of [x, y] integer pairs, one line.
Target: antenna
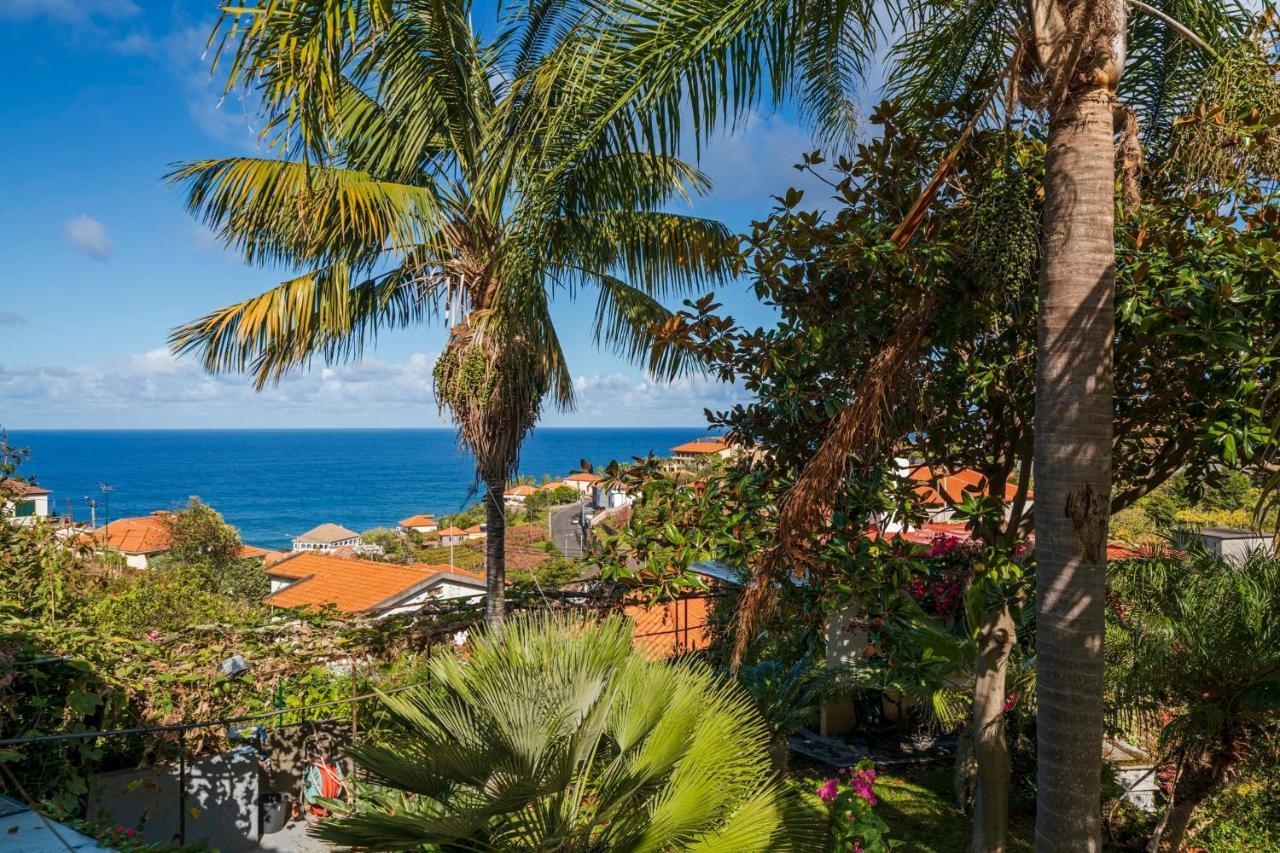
{"points": [[106, 489], [93, 512]]}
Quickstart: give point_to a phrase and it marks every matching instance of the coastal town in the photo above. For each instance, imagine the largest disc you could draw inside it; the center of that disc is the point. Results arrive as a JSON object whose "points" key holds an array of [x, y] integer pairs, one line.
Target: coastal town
{"points": [[635, 425]]}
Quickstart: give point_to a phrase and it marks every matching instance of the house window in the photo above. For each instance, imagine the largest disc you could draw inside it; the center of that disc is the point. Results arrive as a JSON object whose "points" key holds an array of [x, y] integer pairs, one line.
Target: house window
{"points": [[26, 509]]}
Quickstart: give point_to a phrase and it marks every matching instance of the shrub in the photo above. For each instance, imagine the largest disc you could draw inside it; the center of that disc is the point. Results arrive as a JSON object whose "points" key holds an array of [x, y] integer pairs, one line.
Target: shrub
{"points": [[555, 734]]}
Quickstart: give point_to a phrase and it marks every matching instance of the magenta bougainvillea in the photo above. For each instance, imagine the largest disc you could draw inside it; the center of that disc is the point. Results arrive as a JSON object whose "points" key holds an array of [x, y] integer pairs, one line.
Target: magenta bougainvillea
{"points": [[855, 826]]}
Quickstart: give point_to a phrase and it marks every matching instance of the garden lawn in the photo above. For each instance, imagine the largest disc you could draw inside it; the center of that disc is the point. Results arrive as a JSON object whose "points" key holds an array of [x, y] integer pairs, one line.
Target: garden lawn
{"points": [[920, 811]]}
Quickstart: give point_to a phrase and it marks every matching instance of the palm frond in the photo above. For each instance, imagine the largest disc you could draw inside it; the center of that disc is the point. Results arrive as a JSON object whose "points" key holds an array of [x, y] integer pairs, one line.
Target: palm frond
{"points": [[277, 210], [320, 313]]}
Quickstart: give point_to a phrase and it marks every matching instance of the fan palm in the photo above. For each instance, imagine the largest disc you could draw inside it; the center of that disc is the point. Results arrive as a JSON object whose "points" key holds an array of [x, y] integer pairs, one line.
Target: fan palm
{"points": [[557, 735], [1196, 642], [1099, 74], [423, 174]]}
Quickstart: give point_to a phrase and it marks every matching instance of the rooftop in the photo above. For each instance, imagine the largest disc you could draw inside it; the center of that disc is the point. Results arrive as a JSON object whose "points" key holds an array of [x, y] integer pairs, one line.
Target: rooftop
{"points": [[702, 445], [353, 585], [941, 488], [327, 534], [419, 520], [452, 531], [21, 488], [147, 534], [582, 477]]}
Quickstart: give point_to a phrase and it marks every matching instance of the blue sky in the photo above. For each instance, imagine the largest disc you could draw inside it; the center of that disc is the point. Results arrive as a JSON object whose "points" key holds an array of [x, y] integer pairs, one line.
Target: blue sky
{"points": [[100, 260]]}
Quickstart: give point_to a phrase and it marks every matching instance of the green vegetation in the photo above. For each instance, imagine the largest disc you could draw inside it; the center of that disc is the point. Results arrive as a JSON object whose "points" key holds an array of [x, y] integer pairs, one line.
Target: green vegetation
{"points": [[204, 555], [558, 734], [1194, 647]]}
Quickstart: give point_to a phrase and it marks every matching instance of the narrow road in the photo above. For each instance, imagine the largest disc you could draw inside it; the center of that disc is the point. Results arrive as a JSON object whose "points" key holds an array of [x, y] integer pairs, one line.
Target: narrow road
{"points": [[566, 534]]}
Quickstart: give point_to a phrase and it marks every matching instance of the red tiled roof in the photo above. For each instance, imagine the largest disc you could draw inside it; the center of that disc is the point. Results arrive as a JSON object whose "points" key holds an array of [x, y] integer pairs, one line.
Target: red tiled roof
{"points": [[21, 488], [951, 488], [419, 520], [452, 531], [475, 528], [581, 477], [702, 445], [327, 534], [148, 534], [521, 491], [350, 585], [267, 557]]}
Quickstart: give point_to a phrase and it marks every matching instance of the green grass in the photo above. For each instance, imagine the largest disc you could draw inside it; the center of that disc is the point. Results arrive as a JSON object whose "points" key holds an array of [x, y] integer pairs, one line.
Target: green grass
{"points": [[920, 811]]}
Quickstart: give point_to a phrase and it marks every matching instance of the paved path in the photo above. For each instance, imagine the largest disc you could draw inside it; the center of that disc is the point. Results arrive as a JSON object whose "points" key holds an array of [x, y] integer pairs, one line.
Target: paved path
{"points": [[566, 535]]}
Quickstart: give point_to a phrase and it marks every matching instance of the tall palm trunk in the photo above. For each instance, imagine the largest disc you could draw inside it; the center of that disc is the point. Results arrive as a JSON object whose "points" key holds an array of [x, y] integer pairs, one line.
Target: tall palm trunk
{"points": [[1073, 466], [996, 639], [495, 554]]}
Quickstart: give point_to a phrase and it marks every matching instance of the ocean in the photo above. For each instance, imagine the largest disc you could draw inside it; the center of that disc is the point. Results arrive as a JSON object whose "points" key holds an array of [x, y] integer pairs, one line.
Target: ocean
{"points": [[274, 484]]}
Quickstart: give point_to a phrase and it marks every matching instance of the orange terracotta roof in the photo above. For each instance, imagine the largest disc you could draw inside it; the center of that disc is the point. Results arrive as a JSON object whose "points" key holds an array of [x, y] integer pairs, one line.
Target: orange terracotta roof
{"points": [[521, 491], [547, 487], [148, 534], [452, 531], [445, 568], [581, 477], [475, 528], [21, 488], [418, 521], [350, 585], [268, 557], [951, 488], [702, 445]]}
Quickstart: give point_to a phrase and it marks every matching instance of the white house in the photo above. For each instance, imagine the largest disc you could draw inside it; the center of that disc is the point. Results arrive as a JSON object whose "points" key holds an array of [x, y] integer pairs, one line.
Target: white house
{"points": [[611, 497], [582, 482], [698, 452], [452, 535], [23, 502], [515, 496], [419, 523], [475, 531], [138, 540], [325, 538]]}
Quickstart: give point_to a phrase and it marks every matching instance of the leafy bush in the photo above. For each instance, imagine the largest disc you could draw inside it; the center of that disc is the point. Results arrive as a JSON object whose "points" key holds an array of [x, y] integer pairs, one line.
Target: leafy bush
{"points": [[555, 734]]}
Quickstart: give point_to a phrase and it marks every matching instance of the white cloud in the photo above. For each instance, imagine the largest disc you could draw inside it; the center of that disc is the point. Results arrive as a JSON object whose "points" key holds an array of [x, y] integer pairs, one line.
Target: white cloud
{"points": [[620, 399], [154, 389], [88, 235], [68, 11]]}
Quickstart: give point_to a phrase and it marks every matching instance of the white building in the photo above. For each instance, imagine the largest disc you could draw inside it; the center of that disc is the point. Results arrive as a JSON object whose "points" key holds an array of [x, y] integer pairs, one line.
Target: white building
{"points": [[582, 483], [611, 497], [452, 536], [419, 523], [23, 502], [325, 538], [515, 496]]}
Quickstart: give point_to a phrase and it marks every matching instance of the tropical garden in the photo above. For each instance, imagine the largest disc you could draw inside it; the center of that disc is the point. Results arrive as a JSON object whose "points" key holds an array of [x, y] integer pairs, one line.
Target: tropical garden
{"points": [[1046, 257]]}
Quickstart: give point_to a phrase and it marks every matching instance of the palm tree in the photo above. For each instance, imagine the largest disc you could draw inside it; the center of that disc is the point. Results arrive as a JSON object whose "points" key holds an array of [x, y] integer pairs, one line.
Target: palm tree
{"points": [[788, 698], [1196, 642], [558, 735], [427, 174], [1098, 74]]}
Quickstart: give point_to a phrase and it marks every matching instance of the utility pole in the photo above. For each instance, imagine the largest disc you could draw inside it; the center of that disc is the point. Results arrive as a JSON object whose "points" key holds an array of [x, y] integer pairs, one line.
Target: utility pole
{"points": [[106, 489], [93, 512]]}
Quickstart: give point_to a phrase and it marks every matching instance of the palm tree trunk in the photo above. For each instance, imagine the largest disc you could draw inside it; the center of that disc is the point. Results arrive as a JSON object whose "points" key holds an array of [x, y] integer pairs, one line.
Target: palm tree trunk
{"points": [[495, 554], [1197, 780], [1073, 467], [991, 804]]}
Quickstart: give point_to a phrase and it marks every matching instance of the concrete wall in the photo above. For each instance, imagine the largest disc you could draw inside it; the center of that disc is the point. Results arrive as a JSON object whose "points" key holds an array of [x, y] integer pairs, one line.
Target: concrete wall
{"points": [[221, 801]]}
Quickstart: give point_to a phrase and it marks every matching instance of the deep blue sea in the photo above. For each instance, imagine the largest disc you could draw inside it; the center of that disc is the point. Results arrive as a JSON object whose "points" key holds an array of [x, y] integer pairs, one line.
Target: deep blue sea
{"points": [[275, 484]]}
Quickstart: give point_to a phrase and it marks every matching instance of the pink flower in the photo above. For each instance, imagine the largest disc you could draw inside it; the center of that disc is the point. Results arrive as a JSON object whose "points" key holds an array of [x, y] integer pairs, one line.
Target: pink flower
{"points": [[153, 635], [129, 832], [830, 788], [863, 782], [857, 848], [1011, 700]]}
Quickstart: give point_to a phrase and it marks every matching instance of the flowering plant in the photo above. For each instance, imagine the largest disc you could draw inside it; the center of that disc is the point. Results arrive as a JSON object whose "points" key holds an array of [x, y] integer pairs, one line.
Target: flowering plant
{"points": [[854, 824]]}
